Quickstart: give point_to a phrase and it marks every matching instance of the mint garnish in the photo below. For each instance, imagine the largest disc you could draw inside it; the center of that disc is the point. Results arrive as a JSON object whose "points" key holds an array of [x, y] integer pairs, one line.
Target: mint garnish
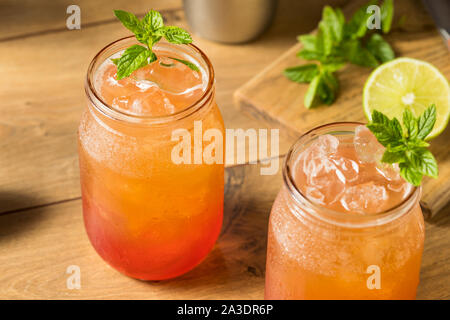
{"points": [[189, 64], [148, 31], [408, 149], [336, 43]]}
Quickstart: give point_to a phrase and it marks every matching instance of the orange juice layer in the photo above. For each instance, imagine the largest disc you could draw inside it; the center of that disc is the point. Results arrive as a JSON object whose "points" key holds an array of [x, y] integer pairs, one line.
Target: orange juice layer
{"points": [[309, 259], [146, 216]]}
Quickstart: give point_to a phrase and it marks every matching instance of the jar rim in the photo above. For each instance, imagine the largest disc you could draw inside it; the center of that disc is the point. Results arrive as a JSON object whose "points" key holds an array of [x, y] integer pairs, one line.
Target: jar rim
{"points": [[335, 217], [116, 114]]}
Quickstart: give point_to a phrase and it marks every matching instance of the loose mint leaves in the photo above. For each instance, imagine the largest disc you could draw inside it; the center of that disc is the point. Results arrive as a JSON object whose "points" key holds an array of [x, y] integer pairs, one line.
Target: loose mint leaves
{"points": [[336, 43], [408, 149], [387, 14], [302, 74], [148, 31]]}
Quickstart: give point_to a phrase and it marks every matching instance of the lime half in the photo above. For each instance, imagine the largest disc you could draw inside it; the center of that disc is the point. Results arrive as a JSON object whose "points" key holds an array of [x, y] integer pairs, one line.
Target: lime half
{"points": [[408, 83]]}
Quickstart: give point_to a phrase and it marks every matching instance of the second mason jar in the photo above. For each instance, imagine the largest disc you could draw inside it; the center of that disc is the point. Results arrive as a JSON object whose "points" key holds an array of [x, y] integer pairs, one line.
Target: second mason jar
{"points": [[341, 228]]}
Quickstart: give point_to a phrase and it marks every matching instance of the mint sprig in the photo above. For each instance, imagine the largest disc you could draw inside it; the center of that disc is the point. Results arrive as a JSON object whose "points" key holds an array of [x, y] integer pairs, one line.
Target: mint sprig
{"points": [[336, 43], [148, 31], [408, 149]]}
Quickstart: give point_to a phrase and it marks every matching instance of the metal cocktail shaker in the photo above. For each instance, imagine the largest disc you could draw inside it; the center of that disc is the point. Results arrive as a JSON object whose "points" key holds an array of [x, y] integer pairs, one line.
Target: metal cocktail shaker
{"points": [[230, 21]]}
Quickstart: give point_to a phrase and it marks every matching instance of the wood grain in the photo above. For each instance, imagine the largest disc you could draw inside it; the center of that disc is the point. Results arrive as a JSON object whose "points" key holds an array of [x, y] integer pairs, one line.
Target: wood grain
{"points": [[233, 270], [37, 246], [272, 98], [40, 103], [25, 18]]}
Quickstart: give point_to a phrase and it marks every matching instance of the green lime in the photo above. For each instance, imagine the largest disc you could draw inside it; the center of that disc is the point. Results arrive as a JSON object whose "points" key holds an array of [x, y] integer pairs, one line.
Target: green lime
{"points": [[408, 83]]}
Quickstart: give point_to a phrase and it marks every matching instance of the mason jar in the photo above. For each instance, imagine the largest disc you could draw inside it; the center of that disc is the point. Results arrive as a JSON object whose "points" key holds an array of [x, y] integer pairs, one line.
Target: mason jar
{"points": [[317, 253], [148, 215]]}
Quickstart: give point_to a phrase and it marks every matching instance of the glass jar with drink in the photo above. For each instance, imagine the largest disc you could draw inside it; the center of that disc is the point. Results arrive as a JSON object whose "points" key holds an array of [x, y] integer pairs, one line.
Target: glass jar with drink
{"points": [[344, 225], [148, 216]]}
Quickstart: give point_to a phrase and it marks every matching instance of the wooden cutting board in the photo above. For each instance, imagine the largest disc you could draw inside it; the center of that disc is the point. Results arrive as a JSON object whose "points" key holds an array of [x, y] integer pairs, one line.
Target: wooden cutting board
{"points": [[272, 98]]}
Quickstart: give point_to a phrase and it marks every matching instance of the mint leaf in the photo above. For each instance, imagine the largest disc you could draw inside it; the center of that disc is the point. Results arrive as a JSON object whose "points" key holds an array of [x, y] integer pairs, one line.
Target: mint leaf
{"points": [[176, 35], [312, 43], [426, 122], [336, 43], [187, 63], [333, 22], [387, 14], [379, 48], [312, 91], [302, 74], [153, 21], [428, 164], [378, 117], [410, 174], [393, 157], [332, 66], [357, 26], [416, 143], [132, 59], [408, 150], [410, 123], [353, 51], [143, 37], [148, 31], [326, 33], [328, 87], [129, 20], [323, 87], [388, 132], [168, 65], [310, 55], [309, 42]]}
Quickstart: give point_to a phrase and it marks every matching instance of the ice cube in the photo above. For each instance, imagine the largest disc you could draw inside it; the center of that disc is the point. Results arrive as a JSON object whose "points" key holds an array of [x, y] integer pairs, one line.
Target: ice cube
{"points": [[170, 76], [326, 144], [315, 195], [144, 85], [364, 198], [400, 186], [121, 102], [136, 106], [390, 171], [348, 167], [324, 181], [367, 148]]}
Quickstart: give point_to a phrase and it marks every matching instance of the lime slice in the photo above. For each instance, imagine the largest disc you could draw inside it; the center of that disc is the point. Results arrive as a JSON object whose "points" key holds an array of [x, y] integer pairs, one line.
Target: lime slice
{"points": [[408, 83]]}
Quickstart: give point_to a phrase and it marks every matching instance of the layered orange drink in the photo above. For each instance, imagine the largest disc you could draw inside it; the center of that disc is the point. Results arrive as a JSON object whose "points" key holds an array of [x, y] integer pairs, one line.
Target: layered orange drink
{"points": [[344, 225], [148, 216]]}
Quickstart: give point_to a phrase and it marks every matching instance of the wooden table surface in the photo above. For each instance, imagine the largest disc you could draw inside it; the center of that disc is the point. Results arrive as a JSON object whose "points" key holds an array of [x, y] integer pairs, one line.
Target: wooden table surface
{"points": [[41, 98]]}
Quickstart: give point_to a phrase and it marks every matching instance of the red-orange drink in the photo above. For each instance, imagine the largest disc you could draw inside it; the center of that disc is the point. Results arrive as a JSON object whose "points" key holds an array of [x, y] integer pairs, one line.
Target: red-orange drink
{"points": [[146, 215], [344, 225]]}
